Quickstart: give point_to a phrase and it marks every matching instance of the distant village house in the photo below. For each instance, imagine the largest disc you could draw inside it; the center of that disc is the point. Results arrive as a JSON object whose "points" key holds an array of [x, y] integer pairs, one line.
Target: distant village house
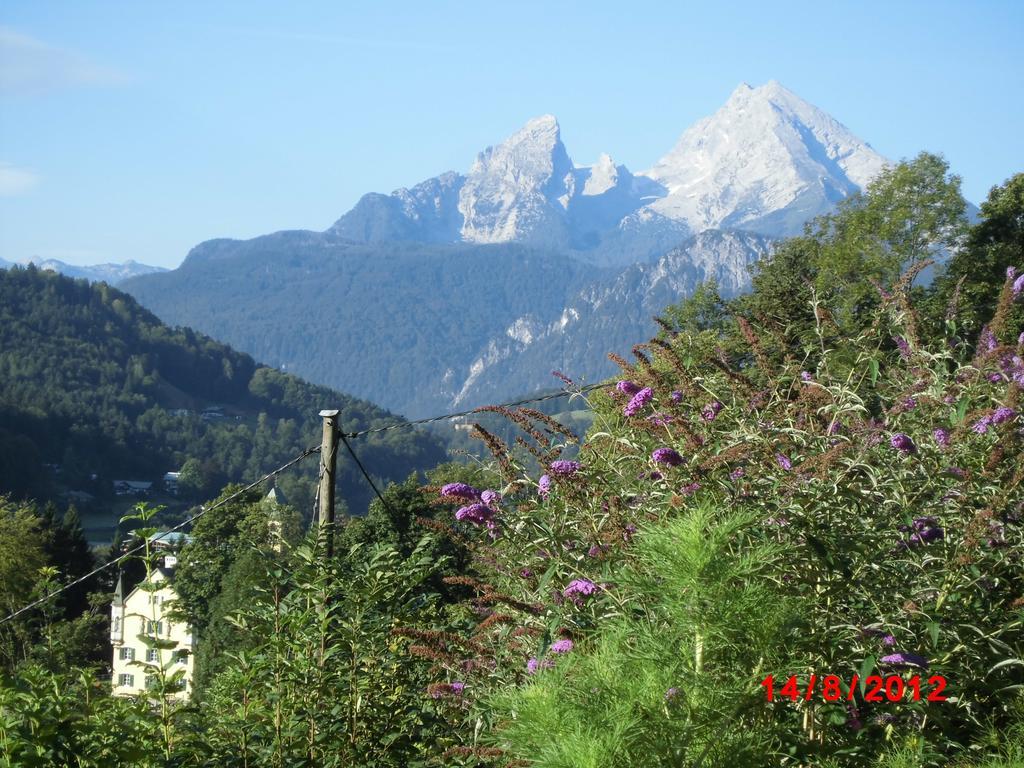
{"points": [[132, 487], [171, 482]]}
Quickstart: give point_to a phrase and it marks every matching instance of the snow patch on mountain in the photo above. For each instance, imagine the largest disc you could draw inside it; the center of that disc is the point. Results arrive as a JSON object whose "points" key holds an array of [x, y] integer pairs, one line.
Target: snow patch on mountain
{"points": [[107, 273], [764, 153]]}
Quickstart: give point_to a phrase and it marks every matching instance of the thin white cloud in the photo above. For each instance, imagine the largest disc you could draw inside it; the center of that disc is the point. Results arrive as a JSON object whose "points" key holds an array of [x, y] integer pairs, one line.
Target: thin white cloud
{"points": [[16, 181], [28, 65], [343, 40]]}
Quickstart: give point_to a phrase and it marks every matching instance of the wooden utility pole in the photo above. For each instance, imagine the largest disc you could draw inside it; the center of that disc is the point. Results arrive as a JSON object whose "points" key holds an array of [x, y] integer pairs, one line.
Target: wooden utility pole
{"points": [[328, 464]]}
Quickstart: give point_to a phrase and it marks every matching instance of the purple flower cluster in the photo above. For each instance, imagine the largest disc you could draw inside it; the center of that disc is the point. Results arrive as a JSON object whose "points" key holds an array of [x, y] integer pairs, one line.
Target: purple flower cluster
{"points": [[923, 530], [475, 513], [689, 490], [1000, 415], [902, 346], [533, 666], [941, 437], [596, 550], [806, 376], [638, 401], [1018, 287], [1013, 365], [667, 456], [460, 491], [783, 461], [482, 507], [561, 646], [1003, 414], [544, 486], [627, 387], [987, 341], [737, 473], [564, 468], [902, 443], [440, 690], [580, 588], [711, 410], [677, 396], [904, 659], [660, 419]]}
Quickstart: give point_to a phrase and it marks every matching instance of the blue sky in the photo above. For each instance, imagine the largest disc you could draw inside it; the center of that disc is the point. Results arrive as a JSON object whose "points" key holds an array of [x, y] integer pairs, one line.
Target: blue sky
{"points": [[136, 130]]}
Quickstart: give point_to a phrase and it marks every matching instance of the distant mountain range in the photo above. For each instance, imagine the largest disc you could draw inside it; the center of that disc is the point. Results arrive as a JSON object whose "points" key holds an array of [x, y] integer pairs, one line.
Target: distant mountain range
{"points": [[469, 288], [114, 274]]}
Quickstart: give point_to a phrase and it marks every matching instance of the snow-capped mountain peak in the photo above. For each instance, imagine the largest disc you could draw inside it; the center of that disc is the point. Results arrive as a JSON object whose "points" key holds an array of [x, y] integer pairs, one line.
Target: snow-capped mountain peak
{"points": [[114, 274], [766, 161], [603, 175], [518, 189]]}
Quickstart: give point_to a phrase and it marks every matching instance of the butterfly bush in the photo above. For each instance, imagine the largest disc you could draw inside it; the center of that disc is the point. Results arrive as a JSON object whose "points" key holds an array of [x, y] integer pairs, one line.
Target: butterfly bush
{"points": [[889, 481]]}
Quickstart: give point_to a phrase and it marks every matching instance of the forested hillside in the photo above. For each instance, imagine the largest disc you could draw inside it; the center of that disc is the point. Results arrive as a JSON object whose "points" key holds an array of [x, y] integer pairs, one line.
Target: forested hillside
{"points": [[397, 323], [94, 388]]}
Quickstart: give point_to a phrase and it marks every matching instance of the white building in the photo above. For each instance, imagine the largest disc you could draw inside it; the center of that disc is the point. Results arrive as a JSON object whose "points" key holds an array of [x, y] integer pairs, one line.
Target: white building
{"points": [[144, 613]]}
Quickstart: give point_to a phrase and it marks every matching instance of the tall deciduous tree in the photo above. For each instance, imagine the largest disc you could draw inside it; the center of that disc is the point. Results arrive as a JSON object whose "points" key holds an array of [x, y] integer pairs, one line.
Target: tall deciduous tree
{"points": [[993, 245]]}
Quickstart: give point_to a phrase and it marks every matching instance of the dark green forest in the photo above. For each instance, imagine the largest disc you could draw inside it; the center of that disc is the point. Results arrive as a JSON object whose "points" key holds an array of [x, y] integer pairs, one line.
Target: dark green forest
{"points": [[426, 308], [94, 388]]}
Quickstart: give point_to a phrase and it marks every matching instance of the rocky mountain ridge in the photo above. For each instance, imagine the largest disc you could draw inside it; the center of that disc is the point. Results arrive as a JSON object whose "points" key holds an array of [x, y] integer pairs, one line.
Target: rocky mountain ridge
{"points": [[766, 162]]}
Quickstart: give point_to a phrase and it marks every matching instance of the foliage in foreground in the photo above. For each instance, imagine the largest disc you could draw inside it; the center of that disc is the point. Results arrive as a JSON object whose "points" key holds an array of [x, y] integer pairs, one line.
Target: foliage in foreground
{"points": [[841, 493]]}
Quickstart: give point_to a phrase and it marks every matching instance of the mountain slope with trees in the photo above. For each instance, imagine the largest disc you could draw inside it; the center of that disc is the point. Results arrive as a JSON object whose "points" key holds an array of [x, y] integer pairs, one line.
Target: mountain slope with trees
{"points": [[94, 388]]}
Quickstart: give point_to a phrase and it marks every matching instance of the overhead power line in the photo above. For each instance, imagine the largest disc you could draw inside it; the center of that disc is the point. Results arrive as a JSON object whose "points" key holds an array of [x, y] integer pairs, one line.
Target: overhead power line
{"points": [[178, 527], [344, 436], [366, 474], [445, 417]]}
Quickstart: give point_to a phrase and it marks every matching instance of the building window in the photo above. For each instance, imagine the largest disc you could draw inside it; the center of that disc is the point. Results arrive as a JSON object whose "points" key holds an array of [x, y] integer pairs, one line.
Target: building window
{"points": [[182, 657], [150, 682], [154, 627], [152, 655], [127, 654], [126, 681]]}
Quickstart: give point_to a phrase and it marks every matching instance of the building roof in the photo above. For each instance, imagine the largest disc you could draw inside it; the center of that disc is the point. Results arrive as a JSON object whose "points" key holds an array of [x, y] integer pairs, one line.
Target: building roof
{"points": [[275, 497], [170, 538]]}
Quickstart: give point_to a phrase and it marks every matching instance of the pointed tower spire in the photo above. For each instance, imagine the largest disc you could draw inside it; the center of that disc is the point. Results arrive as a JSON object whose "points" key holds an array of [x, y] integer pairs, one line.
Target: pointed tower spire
{"points": [[119, 590]]}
